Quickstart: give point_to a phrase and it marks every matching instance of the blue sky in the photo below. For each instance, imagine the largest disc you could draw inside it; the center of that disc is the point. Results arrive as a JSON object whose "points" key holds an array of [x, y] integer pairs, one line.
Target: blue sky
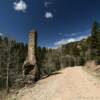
{"points": [[57, 21]]}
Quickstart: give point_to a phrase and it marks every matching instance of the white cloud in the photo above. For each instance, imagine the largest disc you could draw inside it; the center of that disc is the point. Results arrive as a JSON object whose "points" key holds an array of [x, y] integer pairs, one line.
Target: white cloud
{"points": [[66, 41], [20, 6], [54, 47], [73, 34], [46, 4], [48, 15], [1, 34]]}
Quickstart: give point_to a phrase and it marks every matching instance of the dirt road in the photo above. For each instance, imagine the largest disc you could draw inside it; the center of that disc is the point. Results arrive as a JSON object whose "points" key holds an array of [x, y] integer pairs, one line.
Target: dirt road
{"points": [[69, 84]]}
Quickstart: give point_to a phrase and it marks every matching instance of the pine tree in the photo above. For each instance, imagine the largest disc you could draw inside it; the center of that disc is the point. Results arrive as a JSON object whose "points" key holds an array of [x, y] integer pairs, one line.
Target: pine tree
{"points": [[95, 41]]}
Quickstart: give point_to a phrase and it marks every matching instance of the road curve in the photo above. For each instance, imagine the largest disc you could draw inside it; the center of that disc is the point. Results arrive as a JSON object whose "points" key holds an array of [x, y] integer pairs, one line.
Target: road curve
{"points": [[69, 84]]}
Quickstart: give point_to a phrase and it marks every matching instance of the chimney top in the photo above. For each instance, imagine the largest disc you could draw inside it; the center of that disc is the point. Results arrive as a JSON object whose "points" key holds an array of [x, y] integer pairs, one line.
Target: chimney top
{"points": [[33, 31]]}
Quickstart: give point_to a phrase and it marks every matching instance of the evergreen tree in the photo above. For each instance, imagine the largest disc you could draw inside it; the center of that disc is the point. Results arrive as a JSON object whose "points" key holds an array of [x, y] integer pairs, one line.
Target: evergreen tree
{"points": [[95, 41]]}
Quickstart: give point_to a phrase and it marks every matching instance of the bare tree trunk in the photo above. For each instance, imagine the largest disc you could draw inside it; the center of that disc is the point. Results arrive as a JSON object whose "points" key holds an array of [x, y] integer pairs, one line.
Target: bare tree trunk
{"points": [[61, 59], [8, 63], [7, 81]]}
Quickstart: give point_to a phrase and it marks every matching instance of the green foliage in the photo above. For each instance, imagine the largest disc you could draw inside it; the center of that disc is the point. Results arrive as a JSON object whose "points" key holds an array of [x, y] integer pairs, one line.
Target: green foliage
{"points": [[14, 54], [51, 62], [95, 41]]}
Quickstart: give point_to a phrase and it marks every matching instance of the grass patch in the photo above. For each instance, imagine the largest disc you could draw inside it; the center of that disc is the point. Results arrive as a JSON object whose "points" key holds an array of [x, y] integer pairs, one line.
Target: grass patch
{"points": [[92, 69]]}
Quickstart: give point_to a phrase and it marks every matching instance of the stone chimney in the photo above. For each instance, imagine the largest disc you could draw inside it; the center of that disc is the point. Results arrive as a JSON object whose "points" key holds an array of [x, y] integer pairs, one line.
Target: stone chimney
{"points": [[30, 65], [32, 45]]}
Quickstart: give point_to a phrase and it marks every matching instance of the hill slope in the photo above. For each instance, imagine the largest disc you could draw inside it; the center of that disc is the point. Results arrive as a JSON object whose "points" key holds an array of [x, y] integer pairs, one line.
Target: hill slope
{"points": [[69, 84]]}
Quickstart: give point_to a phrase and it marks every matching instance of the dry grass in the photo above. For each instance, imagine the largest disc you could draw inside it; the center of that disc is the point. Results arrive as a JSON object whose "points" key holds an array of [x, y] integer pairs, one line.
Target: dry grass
{"points": [[92, 68], [3, 95]]}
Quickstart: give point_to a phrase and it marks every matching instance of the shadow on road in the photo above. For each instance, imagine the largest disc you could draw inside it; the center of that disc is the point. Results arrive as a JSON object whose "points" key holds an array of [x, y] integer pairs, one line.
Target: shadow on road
{"points": [[52, 74]]}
